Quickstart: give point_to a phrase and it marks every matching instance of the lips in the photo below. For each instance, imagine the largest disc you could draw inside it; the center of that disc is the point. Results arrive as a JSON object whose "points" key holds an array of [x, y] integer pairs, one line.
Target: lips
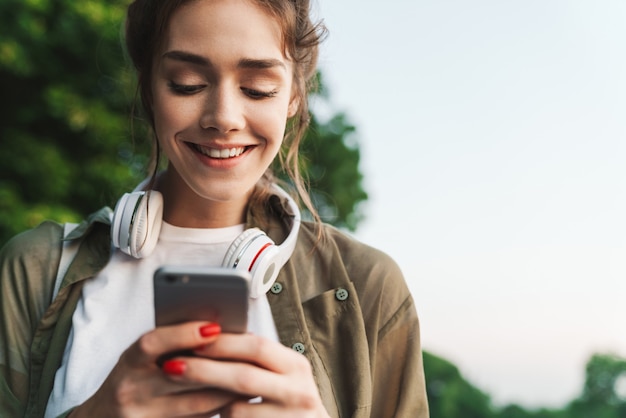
{"points": [[221, 153]]}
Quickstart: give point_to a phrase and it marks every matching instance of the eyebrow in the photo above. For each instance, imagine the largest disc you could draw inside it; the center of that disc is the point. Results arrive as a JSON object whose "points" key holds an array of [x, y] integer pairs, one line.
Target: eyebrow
{"points": [[260, 64], [244, 63]]}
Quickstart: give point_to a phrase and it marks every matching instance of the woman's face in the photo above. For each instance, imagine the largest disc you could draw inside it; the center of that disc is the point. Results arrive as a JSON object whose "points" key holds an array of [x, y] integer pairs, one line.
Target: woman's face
{"points": [[222, 94]]}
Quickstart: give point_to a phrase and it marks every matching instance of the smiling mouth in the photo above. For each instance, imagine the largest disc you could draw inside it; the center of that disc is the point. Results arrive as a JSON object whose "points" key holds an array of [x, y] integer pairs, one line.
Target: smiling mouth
{"points": [[218, 153]]}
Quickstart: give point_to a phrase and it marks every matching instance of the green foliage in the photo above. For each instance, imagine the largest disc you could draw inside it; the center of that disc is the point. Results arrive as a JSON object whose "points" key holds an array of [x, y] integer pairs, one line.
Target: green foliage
{"points": [[332, 164], [449, 394], [516, 411], [602, 374], [603, 394], [64, 121], [66, 146]]}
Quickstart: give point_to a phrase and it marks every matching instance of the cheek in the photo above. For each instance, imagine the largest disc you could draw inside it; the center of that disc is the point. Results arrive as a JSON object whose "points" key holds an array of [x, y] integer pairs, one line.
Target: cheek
{"points": [[170, 116], [269, 121], [163, 117]]}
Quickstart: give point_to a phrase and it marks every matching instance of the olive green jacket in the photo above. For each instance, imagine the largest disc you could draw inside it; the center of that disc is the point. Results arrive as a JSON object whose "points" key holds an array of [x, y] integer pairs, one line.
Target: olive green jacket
{"points": [[343, 304]]}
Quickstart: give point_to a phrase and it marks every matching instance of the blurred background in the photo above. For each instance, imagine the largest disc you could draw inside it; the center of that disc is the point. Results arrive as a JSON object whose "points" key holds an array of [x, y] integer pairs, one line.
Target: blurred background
{"points": [[493, 140], [481, 144]]}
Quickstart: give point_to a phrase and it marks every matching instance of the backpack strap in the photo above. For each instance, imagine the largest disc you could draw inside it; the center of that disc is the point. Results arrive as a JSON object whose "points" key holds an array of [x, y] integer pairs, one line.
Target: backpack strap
{"points": [[68, 252]]}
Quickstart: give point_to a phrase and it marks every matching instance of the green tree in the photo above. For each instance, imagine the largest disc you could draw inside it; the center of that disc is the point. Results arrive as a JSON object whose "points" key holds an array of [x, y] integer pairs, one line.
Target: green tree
{"points": [[602, 374], [450, 395], [601, 395], [66, 146], [516, 411], [331, 160], [64, 121]]}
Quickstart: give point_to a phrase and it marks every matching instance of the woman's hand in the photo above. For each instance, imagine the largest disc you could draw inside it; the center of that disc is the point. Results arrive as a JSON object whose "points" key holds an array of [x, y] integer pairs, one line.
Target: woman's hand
{"points": [[138, 387], [253, 366]]}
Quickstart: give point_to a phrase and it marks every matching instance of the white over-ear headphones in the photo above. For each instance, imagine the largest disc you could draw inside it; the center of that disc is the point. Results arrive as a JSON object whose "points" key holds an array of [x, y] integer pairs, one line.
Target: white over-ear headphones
{"points": [[137, 221]]}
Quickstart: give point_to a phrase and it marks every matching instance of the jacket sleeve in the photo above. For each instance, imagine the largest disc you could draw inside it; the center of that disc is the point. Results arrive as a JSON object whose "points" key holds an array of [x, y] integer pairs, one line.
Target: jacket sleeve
{"points": [[398, 386], [28, 264]]}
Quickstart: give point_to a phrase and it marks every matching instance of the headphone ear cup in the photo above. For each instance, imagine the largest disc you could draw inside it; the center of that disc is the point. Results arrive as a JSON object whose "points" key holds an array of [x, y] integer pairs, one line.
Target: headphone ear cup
{"points": [[137, 222], [255, 252], [120, 222], [147, 225], [265, 270]]}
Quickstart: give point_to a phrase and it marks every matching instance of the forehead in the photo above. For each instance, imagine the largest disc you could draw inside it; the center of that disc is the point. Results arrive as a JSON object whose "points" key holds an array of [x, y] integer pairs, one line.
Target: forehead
{"points": [[235, 26]]}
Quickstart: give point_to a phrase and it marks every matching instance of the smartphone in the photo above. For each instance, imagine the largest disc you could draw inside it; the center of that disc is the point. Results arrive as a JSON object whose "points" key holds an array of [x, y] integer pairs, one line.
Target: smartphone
{"points": [[216, 294]]}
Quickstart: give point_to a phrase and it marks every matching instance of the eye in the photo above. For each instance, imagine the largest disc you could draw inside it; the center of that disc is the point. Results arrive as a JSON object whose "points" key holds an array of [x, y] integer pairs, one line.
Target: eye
{"points": [[257, 94], [185, 89]]}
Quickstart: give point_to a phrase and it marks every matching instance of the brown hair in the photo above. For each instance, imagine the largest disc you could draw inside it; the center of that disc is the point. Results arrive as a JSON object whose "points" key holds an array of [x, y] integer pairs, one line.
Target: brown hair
{"points": [[146, 26]]}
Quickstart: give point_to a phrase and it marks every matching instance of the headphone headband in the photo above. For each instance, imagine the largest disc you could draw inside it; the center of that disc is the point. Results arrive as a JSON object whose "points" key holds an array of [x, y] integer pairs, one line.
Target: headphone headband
{"points": [[136, 225], [289, 244]]}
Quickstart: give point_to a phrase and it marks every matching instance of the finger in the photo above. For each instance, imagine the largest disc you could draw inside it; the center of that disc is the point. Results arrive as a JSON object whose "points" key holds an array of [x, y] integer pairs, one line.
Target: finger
{"points": [[163, 340], [138, 384], [241, 408], [251, 380], [250, 348], [196, 403], [174, 370]]}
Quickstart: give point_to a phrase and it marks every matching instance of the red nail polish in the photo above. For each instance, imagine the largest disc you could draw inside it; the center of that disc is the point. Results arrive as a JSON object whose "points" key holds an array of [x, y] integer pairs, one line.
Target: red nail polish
{"points": [[209, 330], [174, 367]]}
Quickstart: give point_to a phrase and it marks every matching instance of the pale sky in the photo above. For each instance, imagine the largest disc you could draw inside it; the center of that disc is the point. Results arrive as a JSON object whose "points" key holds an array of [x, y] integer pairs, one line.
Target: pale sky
{"points": [[493, 135]]}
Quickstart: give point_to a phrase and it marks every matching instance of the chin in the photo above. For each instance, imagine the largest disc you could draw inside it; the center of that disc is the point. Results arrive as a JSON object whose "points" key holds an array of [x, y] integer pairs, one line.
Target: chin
{"points": [[225, 194]]}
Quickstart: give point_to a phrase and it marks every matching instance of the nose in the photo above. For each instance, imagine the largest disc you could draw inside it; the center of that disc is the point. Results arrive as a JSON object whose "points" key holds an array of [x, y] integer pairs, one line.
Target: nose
{"points": [[223, 110]]}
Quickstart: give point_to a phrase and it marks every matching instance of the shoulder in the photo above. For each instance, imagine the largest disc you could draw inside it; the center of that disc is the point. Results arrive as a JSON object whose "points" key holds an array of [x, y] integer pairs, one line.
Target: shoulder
{"points": [[357, 257], [38, 245], [375, 275], [28, 264], [30, 260]]}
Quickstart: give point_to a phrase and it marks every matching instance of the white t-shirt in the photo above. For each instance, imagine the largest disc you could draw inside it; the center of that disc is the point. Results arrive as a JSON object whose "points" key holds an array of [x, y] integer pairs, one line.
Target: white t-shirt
{"points": [[116, 308]]}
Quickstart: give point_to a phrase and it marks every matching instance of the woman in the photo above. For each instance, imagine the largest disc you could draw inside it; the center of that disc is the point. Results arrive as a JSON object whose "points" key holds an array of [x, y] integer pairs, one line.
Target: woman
{"points": [[223, 83]]}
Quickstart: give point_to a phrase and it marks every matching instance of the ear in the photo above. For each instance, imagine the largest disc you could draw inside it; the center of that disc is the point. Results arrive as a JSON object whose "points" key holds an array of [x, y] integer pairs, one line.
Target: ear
{"points": [[294, 104]]}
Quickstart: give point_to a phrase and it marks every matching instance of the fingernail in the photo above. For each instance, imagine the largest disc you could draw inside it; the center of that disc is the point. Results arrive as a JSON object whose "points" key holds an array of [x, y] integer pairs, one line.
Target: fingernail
{"points": [[209, 330], [174, 367]]}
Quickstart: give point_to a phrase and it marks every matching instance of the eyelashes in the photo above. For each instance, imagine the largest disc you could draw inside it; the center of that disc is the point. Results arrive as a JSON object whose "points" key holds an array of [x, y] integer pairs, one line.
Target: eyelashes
{"points": [[190, 89], [257, 94], [184, 89]]}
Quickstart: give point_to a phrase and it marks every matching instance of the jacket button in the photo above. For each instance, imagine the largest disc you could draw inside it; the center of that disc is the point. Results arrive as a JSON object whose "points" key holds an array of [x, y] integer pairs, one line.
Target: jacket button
{"points": [[276, 288], [298, 347], [341, 294]]}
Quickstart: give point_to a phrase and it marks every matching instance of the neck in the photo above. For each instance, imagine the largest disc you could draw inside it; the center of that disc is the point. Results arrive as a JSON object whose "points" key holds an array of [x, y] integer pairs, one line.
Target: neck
{"points": [[185, 208]]}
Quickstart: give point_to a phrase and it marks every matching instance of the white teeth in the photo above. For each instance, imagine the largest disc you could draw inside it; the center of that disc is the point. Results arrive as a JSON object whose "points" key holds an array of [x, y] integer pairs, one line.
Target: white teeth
{"points": [[221, 153]]}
